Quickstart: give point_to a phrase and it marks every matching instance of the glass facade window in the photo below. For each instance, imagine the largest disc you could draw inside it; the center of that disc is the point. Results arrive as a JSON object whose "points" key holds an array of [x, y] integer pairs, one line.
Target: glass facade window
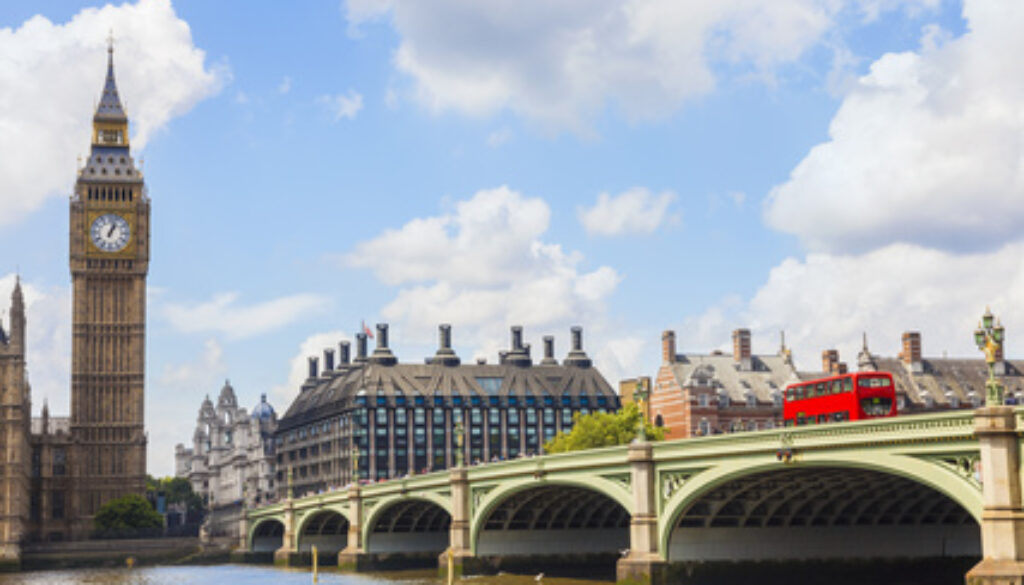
{"points": [[382, 417], [566, 418], [400, 416], [419, 416], [531, 416], [438, 417], [549, 416], [475, 417], [513, 418]]}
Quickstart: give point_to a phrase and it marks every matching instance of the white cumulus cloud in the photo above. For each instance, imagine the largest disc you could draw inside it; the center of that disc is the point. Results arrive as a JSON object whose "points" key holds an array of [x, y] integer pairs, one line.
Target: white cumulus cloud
{"points": [[51, 75], [559, 63], [634, 211], [483, 267], [926, 148], [223, 314], [827, 301]]}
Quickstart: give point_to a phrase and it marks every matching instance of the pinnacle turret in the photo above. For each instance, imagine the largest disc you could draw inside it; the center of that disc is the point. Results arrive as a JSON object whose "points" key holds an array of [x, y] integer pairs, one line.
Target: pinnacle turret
{"points": [[109, 108]]}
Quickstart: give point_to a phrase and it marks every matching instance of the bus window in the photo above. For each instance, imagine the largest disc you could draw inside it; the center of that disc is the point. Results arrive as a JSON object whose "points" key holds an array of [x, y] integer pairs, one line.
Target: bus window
{"points": [[875, 382], [821, 389], [799, 392], [822, 418], [848, 384], [840, 416], [800, 419], [837, 386], [789, 394]]}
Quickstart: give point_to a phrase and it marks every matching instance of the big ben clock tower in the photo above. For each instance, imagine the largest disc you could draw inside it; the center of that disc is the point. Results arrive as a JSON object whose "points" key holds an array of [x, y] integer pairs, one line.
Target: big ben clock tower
{"points": [[109, 244]]}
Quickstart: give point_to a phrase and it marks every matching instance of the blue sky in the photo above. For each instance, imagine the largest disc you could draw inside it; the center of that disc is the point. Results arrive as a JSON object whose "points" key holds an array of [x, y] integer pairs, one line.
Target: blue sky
{"points": [[823, 168]]}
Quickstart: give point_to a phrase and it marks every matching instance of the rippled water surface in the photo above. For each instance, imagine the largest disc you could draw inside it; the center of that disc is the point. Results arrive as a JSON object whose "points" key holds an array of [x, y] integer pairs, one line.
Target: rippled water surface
{"points": [[229, 574]]}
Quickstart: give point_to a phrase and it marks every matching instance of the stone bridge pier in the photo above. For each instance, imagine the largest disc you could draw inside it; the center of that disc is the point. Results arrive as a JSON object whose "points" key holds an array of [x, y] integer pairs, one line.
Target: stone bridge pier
{"points": [[1002, 522], [643, 563]]}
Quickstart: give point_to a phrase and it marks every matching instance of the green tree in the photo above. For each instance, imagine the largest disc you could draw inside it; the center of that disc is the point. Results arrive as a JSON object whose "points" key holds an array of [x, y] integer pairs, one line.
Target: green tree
{"points": [[175, 490], [602, 429], [127, 514]]}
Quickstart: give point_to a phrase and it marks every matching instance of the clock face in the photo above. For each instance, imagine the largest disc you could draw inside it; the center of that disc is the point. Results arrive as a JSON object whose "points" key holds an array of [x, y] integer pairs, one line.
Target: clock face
{"points": [[110, 232]]}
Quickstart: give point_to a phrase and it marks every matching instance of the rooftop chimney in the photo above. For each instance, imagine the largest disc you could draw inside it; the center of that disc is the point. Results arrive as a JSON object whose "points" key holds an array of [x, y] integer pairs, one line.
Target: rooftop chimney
{"points": [[328, 360], [312, 367], [829, 360], [382, 355], [741, 348], [343, 353], [549, 351], [668, 347], [911, 354], [577, 357], [360, 348], [445, 355], [518, 356]]}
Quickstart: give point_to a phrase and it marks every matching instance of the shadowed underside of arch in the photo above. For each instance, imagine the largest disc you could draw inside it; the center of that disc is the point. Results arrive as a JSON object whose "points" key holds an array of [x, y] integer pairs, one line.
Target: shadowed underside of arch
{"points": [[327, 530], [562, 519], [410, 526], [823, 497], [267, 536], [821, 512]]}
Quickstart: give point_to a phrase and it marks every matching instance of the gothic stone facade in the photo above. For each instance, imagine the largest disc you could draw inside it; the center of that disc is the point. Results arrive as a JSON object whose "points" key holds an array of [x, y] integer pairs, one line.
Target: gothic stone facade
{"points": [[15, 409], [58, 471], [231, 459]]}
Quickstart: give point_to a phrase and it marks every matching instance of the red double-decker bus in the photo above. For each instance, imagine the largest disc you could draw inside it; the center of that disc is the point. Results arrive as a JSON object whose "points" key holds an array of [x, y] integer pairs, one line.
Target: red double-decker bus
{"points": [[855, 396]]}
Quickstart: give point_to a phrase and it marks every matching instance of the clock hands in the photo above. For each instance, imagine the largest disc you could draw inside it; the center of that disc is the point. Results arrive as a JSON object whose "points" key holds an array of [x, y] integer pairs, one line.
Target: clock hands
{"points": [[110, 232]]}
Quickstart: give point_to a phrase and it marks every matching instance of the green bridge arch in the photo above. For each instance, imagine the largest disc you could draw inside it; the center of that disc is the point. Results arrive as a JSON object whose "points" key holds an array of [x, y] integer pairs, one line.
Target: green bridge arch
{"points": [[942, 479], [615, 492]]}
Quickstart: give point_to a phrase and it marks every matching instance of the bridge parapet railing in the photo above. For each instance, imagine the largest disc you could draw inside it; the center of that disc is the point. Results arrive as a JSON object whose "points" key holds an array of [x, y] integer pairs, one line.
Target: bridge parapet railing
{"points": [[933, 427]]}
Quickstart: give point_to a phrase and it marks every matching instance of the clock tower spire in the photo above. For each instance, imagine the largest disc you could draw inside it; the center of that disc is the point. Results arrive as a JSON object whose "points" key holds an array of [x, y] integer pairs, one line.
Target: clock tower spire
{"points": [[109, 258]]}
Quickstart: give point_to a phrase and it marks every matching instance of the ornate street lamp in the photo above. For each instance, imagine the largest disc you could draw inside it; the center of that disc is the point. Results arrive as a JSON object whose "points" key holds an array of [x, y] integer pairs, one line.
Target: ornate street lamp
{"points": [[459, 439], [354, 455], [989, 339], [640, 394]]}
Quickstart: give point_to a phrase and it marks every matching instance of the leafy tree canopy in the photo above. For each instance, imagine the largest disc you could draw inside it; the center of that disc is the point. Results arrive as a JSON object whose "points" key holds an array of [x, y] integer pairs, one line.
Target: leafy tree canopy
{"points": [[603, 430], [131, 512], [175, 489]]}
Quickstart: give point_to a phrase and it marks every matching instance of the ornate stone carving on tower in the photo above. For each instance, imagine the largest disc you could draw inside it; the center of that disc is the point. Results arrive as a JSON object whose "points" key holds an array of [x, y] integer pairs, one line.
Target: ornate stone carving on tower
{"points": [[109, 250], [15, 411]]}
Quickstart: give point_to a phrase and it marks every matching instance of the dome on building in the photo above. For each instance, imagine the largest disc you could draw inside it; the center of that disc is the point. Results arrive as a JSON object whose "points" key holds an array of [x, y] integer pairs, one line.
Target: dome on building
{"points": [[263, 410]]}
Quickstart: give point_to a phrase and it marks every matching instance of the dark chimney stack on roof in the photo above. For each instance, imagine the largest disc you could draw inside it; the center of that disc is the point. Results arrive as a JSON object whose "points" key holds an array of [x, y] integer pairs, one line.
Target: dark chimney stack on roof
{"points": [[577, 357], [343, 353], [445, 356], [518, 355], [549, 351], [382, 355], [312, 367], [328, 361], [360, 348]]}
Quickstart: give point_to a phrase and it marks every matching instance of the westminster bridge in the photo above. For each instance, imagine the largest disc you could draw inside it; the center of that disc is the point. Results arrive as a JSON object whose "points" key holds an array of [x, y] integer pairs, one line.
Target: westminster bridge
{"points": [[924, 486]]}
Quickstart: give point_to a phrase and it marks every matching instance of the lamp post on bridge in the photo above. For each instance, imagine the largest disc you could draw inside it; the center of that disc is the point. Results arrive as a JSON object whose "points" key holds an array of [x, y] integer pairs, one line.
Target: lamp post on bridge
{"points": [[640, 394], [989, 339], [460, 437], [1002, 519]]}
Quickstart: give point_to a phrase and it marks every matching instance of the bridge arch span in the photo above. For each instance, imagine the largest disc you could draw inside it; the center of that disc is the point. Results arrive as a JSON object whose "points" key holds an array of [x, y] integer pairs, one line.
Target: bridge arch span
{"points": [[326, 528], [409, 524], [873, 479], [553, 526], [483, 509], [266, 535]]}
